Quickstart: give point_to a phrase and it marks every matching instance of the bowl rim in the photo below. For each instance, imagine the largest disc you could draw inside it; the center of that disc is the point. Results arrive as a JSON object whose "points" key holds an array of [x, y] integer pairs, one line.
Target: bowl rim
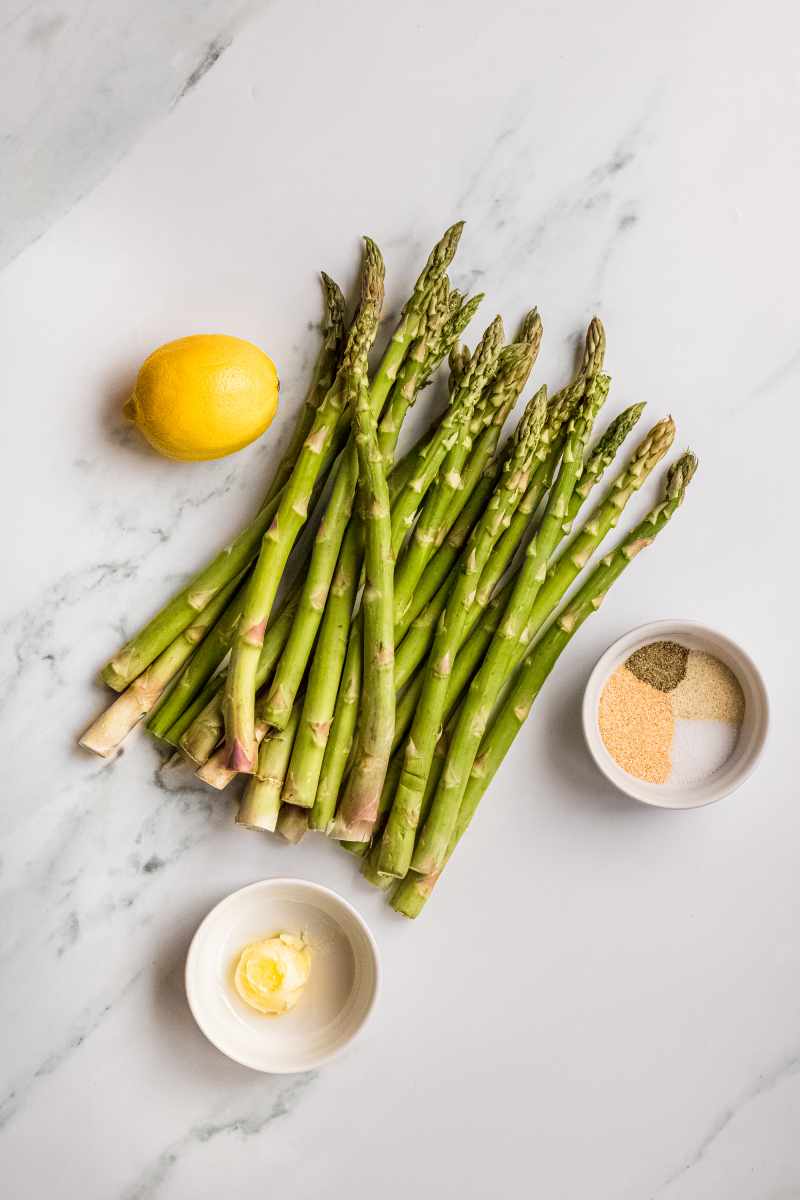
{"points": [[272, 883], [641, 790]]}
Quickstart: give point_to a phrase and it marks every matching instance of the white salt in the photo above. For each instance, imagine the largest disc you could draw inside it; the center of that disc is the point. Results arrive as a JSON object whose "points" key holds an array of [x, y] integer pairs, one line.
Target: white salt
{"points": [[699, 748]]}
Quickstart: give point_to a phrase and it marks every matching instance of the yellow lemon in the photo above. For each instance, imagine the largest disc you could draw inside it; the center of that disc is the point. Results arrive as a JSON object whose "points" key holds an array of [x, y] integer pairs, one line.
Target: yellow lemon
{"points": [[204, 396]]}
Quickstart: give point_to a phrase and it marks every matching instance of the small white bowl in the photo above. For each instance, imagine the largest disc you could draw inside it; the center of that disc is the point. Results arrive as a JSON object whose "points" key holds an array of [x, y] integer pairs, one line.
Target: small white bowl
{"points": [[751, 737], [337, 1000]]}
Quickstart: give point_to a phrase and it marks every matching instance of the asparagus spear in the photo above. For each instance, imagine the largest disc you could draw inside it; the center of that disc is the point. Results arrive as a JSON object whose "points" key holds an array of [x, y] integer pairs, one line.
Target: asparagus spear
{"points": [[112, 726], [333, 335], [435, 835], [457, 361], [260, 805], [291, 668], [398, 838], [193, 711], [443, 302], [439, 260], [360, 801], [341, 725], [417, 641], [198, 670], [548, 453], [181, 610], [438, 570], [289, 520], [292, 823], [561, 573], [200, 727], [199, 740], [487, 355], [298, 790], [342, 719], [432, 524], [413, 892], [323, 685], [565, 570], [478, 479], [409, 479], [448, 318]]}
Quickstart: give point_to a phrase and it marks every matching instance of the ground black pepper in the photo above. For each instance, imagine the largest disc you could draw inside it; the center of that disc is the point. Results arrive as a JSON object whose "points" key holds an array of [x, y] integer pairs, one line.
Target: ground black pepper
{"points": [[661, 664]]}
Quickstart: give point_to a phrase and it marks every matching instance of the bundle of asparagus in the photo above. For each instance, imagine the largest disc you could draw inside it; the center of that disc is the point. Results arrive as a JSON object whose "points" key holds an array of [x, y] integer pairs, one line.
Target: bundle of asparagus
{"points": [[377, 700]]}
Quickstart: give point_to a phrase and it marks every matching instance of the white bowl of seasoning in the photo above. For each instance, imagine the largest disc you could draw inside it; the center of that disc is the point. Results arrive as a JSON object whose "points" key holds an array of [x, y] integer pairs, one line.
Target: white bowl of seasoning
{"points": [[335, 1002], [681, 724]]}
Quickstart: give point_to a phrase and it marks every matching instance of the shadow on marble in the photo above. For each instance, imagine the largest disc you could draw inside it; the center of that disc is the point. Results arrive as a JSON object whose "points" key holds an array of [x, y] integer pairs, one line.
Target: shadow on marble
{"points": [[572, 763], [114, 425], [173, 1025]]}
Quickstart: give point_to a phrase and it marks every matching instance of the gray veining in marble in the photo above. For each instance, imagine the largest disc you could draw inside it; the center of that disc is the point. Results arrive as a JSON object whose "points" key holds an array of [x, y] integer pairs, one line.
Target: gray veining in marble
{"points": [[79, 83]]}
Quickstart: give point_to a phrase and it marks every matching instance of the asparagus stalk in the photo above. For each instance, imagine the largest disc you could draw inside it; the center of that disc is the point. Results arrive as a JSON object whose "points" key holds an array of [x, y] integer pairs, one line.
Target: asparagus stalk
{"points": [[565, 570], [180, 611], [417, 641], [261, 803], [561, 573], [292, 823], [314, 595], [360, 802], [480, 700], [432, 524], [111, 728], [409, 479], [442, 303], [291, 668], [398, 838], [326, 665], [370, 869], [199, 740], [416, 644], [339, 739], [336, 732], [457, 360], [438, 570], [342, 719], [323, 686], [292, 513], [340, 619], [333, 335], [439, 260], [341, 599], [413, 892], [193, 711], [198, 670], [548, 454], [389, 788]]}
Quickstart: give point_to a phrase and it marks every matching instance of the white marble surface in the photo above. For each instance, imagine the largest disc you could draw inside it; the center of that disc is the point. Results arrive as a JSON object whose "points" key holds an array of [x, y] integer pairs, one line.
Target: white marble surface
{"points": [[643, 1038]]}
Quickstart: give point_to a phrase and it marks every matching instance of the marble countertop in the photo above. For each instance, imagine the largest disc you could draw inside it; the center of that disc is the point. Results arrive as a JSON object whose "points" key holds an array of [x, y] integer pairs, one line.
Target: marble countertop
{"points": [[167, 175]]}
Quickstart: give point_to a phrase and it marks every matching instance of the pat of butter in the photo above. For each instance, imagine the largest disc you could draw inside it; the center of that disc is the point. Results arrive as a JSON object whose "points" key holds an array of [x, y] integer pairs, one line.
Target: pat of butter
{"points": [[272, 972]]}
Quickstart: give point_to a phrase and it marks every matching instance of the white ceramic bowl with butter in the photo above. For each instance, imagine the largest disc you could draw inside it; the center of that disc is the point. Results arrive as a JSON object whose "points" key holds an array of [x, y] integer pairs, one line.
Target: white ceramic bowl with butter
{"points": [[752, 735], [336, 1002]]}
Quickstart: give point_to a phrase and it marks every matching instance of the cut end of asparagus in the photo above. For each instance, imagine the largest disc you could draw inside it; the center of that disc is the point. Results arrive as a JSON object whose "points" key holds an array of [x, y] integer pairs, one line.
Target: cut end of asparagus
{"points": [[412, 895], [342, 830], [95, 740], [215, 772], [115, 674]]}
